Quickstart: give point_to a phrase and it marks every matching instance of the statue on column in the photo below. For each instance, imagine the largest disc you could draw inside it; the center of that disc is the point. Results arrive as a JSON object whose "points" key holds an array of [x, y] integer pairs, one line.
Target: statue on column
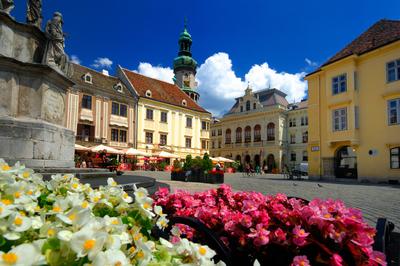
{"points": [[6, 6], [34, 13], [55, 55]]}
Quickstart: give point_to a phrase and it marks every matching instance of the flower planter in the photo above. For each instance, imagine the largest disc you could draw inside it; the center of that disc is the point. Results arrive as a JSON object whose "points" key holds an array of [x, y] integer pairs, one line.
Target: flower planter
{"points": [[178, 176], [215, 178]]}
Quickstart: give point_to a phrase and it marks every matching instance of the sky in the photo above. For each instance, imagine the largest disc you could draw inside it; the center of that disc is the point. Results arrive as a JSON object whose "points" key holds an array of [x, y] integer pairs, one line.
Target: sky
{"points": [[258, 42]]}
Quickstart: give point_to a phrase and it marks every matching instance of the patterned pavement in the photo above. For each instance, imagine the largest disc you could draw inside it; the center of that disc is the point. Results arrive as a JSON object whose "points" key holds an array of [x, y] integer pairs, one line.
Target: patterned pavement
{"points": [[374, 200]]}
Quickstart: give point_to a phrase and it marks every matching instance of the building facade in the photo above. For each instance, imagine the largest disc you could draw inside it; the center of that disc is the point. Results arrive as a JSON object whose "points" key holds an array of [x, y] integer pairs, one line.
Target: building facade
{"points": [[101, 110], [354, 109], [255, 130]]}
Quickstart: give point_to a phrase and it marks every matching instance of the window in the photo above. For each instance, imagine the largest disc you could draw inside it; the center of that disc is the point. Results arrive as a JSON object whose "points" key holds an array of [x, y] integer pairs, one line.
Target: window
{"points": [[293, 156], [149, 114], [219, 132], [228, 136], [305, 137], [204, 144], [118, 87], [257, 133], [356, 117], [213, 144], [118, 135], [164, 117], [149, 138], [270, 132], [148, 93], [248, 106], [340, 119], [254, 106], [292, 122], [241, 108], [394, 111], [305, 156], [219, 144], [87, 78], [292, 138], [188, 143], [247, 134], [114, 134], [184, 103], [306, 120], [239, 135], [119, 109], [395, 158], [213, 133], [163, 139], [188, 122], [393, 70], [122, 136], [302, 121], [339, 84], [87, 102], [204, 125]]}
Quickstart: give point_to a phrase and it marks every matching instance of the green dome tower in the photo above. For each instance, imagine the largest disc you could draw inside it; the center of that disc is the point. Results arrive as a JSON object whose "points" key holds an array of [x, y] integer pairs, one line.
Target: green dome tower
{"points": [[185, 66]]}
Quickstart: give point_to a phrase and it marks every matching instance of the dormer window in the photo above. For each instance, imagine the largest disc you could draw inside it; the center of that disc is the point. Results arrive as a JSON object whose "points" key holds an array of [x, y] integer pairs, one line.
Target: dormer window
{"points": [[184, 103], [88, 78], [148, 93], [118, 87]]}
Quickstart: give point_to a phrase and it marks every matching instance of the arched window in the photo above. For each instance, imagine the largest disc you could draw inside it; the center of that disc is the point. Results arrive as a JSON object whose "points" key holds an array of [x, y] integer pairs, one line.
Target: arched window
{"points": [[247, 134], [395, 158], [257, 133], [271, 131], [239, 135], [228, 136], [248, 106], [305, 136]]}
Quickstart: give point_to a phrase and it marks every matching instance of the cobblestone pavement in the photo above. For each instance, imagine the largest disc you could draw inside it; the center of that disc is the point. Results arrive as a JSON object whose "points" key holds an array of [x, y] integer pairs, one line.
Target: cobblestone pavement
{"points": [[374, 200]]}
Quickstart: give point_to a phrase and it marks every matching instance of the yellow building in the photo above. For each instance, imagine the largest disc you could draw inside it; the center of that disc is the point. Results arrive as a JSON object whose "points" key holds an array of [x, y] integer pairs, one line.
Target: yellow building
{"points": [[255, 130], [354, 109], [168, 115]]}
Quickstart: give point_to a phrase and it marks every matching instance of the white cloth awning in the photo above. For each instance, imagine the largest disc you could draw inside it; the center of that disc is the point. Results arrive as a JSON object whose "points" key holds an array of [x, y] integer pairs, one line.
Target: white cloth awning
{"points": [[135, 152], [81, 148], [222, 159], [164, 154], [100, 148]]}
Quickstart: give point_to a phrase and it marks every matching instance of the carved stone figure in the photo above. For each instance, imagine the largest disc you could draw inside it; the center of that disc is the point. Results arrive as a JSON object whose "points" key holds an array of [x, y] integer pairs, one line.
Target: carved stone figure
{"points": [[34, 13], [6, 5], [55, 55]]}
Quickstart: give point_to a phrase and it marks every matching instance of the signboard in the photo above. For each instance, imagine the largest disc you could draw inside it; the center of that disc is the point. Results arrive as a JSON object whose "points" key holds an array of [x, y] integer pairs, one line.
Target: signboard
{"points": [[315, 148]]}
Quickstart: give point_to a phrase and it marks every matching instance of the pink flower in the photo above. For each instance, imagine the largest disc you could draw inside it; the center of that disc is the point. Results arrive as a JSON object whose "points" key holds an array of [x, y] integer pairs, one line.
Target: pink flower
{"points": [[300, 261], [280, 235], [300, 236], [379, 258], [336, 260]]}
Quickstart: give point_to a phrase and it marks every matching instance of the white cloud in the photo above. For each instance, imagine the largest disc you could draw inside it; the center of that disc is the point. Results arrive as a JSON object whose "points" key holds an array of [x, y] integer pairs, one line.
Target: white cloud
{"points": [[102, 62], [311, 63], [162, 73], [218, 84], [75, 59]]}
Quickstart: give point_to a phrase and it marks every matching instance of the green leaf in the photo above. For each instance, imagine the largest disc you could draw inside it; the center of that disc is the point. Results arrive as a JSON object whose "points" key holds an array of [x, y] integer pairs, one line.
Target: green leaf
{"points": [[51, 244]]}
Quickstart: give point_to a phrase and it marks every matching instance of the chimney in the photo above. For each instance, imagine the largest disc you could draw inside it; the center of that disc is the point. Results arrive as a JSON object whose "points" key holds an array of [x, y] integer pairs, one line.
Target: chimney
{"points": [[105, 72]]}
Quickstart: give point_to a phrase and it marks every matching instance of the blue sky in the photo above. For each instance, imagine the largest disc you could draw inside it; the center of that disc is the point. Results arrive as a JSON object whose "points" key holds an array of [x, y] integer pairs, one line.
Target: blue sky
{"points": [[282, 34]]}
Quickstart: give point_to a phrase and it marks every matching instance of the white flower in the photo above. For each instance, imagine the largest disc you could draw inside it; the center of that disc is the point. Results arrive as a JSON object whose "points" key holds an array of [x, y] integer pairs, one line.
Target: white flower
{"points": [[76, 216], [203, 253], [166, 243], [87, 242], [126, 198], [5, 209], [36, 222], [113, 242], [140, 194], [19, 223], [162, 222], [25, 174], [111, 182], [145, 206], [22, 255], [158, 210], [65, 235], [111, 258]]}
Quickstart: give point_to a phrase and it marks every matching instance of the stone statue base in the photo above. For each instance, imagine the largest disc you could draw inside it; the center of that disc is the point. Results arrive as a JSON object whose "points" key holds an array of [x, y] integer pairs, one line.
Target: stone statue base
{"points": [[33, 100], [35, 143]]}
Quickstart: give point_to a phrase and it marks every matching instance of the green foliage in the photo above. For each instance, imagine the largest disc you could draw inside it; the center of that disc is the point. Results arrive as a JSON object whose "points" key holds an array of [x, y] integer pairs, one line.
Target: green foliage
{"points": [[102, 210], [207, 163], [162, 166], [51, 243], [188, 163]]}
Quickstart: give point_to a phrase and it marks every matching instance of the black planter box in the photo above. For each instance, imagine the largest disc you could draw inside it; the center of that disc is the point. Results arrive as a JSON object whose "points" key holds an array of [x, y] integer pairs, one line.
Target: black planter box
{"points": [[178, 176], [215, 178]]}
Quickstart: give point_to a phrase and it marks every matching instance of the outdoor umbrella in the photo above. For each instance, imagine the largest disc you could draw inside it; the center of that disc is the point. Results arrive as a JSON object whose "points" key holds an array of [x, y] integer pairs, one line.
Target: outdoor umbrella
{"points": [[135, 152], [164, 154], [224, 160], [81, 148], [100, 148]]}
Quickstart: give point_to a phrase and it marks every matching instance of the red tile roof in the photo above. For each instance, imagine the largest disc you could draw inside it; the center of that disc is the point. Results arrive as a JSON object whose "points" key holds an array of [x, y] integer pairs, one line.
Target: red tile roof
{"points": [[381, 33], [161, 91]]}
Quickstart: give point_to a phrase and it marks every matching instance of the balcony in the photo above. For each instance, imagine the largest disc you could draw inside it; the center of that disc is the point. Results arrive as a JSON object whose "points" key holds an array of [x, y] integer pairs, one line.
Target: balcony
{"points": [[86, 138]]}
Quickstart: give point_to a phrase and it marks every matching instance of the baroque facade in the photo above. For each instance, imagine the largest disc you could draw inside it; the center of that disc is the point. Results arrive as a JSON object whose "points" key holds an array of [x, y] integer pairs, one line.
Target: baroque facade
{"points": [[101, 109], [354, 109], [256, 130]]}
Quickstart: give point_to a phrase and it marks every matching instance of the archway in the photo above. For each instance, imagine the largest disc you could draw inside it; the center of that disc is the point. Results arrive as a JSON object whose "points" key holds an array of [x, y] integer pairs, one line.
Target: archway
{"points": [[257, 160], [345, 163], [247, 158], [270, 162], [239, 158]]}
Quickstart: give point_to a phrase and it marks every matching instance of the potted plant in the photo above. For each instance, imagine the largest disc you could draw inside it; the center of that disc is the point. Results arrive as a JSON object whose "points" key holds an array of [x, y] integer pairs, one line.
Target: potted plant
{"points": [[177, 173]]}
